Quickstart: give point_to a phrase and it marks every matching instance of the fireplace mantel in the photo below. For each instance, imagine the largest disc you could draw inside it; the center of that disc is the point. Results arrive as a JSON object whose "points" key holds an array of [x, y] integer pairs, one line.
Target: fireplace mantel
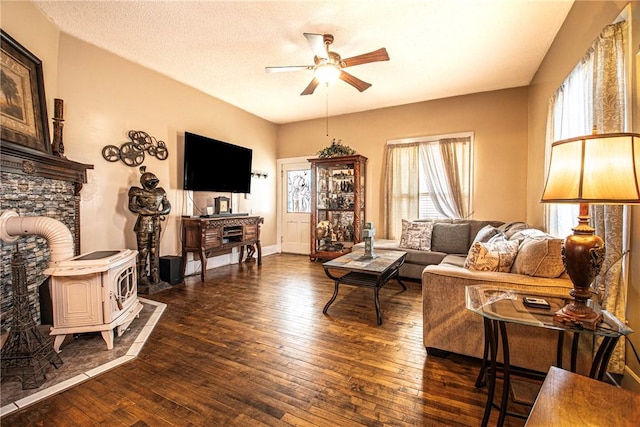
{"points": [[17, 159]]}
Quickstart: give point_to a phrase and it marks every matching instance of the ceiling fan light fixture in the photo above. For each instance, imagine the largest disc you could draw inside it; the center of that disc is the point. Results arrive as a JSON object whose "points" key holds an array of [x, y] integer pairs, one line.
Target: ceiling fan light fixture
{"points": [[327, 72]]}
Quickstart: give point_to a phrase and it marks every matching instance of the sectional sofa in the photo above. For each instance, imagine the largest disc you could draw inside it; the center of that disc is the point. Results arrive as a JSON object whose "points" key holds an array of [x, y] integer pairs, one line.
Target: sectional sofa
{"points": [[447, 237], [448, 255]]}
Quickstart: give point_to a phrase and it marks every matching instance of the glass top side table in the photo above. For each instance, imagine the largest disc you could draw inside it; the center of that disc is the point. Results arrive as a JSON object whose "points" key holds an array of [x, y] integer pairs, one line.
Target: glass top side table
{"points": [[500, 306], [508, 306]]}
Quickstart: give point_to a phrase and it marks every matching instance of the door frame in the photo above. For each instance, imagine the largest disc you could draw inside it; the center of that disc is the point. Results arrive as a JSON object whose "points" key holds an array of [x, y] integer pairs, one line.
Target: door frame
{"points": [[279, 183]]}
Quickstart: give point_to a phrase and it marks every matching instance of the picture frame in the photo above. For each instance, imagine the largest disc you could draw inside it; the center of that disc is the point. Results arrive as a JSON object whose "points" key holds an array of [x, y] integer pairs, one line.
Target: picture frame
{"points": [[23, 105], [221, 205]]}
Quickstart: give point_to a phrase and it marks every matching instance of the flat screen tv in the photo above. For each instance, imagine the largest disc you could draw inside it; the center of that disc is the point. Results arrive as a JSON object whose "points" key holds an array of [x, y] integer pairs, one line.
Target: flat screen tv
{"points": [[212, 165]]}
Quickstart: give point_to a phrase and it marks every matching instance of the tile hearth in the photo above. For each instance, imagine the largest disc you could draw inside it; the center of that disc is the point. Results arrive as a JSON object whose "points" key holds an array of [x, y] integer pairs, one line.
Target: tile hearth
{"points": [[83, 358]]}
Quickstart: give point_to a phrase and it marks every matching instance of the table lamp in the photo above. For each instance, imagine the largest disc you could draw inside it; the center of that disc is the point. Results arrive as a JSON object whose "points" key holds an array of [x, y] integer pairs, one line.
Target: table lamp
{"points": [[603, 169]]}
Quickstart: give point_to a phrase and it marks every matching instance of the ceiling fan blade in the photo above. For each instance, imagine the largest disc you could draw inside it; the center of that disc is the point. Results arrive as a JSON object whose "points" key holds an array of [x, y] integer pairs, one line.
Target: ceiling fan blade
{"points": [[288, 68], [316, 41], [354, 81], [375, 56], [312, 86]]}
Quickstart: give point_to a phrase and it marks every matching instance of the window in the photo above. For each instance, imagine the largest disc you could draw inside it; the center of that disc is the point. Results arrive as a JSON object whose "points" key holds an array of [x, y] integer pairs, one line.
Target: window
{"points": [[577, 106], [444, 186], [596, 94], [427, 178], [298, 191]]}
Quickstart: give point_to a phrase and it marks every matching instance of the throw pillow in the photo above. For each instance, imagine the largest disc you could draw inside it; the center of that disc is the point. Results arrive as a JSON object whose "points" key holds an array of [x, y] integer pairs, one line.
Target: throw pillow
{"points": [[510, 228], [539, 256], [416, 235], [528, 232], [486, 233], [497, 254], [450, 238]]}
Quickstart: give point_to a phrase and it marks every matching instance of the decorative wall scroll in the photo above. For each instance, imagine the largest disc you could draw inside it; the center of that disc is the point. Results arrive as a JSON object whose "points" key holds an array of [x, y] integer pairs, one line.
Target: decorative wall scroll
{"points": [[133, 153], [23, 104]]}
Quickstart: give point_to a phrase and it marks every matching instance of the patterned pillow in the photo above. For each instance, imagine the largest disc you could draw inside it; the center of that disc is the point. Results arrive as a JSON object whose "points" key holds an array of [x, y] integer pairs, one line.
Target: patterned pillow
{"points": [[416, 235], [497, 254]]}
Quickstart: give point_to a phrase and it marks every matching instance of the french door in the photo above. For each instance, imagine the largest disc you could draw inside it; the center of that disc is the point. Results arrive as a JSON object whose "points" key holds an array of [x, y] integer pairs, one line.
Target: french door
{"points": [[296, 207]]}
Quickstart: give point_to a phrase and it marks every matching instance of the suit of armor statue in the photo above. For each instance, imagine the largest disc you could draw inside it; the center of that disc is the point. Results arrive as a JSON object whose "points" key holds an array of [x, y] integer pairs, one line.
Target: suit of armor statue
{"points": [[151, 204]]}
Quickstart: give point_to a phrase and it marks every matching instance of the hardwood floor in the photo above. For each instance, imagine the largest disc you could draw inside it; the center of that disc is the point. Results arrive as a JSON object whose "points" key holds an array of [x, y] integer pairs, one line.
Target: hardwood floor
{"points": [[250, 346]]}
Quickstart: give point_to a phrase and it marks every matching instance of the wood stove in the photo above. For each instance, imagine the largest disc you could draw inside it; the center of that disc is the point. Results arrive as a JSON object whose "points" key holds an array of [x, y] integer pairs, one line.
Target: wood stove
{"points": [[94, 292]]}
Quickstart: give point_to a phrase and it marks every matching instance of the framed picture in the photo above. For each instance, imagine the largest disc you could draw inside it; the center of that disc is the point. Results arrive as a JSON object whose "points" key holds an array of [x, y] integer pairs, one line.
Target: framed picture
{"points": [[221, 205], [23, 105]]}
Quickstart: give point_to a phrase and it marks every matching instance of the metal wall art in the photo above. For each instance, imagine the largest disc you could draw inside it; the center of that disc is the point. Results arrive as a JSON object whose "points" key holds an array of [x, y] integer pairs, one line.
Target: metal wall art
{"points": [[133, 153]]}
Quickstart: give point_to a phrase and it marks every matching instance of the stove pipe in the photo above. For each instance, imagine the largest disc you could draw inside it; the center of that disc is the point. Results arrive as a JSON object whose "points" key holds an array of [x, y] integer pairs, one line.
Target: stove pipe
{"points": [[55, 232]]}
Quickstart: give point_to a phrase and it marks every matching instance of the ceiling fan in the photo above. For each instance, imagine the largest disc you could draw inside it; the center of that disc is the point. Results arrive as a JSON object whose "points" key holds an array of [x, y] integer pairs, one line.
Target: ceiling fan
{"points": [[330, 66]]}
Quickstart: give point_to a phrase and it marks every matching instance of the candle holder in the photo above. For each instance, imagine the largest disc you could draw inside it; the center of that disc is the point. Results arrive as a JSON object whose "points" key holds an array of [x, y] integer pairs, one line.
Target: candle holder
{"points": [[57, 145]]}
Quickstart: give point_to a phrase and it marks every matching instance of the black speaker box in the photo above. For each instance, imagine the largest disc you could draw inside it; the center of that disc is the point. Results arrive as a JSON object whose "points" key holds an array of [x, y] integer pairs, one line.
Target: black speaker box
{"points": [[171, 269]]}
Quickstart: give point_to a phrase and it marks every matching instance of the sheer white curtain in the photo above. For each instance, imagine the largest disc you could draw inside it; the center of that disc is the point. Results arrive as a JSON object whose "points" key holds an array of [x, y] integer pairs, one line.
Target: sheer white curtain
{"points": [[570, 114], [401, 199], [446, 175], [595, 94], [434, 172]]}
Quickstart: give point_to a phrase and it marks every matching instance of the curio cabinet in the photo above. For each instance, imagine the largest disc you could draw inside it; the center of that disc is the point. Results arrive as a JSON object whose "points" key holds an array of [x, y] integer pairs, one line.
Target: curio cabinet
{"points": [[337, 205]]}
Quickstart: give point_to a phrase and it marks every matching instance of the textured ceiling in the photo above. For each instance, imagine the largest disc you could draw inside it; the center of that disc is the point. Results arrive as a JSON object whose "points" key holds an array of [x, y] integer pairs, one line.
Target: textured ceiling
{"points": [[437, 48]]}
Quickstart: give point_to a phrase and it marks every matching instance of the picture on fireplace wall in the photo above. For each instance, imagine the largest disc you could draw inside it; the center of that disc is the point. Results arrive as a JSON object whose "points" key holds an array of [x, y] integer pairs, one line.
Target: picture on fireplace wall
{"points": [[22, 100]]}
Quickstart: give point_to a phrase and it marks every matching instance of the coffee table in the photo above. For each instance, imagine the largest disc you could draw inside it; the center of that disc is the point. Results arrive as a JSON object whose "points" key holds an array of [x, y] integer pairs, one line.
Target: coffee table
{"points": [[365, 272]]}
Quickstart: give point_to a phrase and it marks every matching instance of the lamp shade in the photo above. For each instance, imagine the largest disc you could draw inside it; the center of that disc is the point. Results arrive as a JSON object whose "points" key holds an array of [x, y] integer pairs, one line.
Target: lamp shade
{"points": [[594, 169]]}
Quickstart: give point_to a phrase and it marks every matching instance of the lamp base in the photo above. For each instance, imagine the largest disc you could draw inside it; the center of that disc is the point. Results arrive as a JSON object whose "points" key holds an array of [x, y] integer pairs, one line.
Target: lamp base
{"points": [[582, 256], [584, 317]]}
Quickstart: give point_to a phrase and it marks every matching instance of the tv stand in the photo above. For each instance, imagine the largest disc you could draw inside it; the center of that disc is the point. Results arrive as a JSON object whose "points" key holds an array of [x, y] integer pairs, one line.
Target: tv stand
{"points": [[218, 235]]}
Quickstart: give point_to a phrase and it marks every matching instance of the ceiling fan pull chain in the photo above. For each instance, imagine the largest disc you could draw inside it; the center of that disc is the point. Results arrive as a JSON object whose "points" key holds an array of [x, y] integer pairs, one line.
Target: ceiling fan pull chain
{"points": [[327, 108]]}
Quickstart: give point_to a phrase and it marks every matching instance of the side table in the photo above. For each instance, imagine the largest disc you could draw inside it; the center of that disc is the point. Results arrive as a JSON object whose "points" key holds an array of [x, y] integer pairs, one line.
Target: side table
{"points": [[498, 307], [568, 399]]}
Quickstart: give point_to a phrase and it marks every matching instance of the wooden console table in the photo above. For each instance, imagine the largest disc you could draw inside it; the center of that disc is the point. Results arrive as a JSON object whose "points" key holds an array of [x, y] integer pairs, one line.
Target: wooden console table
{"points": [[217, 236]]}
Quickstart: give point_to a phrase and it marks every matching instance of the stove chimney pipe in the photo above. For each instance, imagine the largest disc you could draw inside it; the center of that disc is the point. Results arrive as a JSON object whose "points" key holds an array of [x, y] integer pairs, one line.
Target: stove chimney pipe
{"points": [[55, 232]]}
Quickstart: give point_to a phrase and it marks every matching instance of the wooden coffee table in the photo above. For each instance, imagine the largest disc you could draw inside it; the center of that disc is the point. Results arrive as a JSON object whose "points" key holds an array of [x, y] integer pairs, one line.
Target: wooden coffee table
{"points": [[366, 272]]}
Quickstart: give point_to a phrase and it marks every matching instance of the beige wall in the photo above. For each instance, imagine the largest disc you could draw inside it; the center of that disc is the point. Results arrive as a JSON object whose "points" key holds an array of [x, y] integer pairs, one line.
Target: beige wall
{"points": [[106, 96], [498, 120], [582, 26], [30, 28]]}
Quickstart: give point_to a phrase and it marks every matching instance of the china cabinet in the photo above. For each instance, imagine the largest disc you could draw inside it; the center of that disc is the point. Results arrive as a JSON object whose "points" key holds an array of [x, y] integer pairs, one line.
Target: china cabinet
{"points": [[337, 205]]}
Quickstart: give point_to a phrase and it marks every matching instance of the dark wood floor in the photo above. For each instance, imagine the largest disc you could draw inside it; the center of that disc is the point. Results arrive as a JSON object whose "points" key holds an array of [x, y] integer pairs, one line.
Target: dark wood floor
{"points": [[250, 346]]}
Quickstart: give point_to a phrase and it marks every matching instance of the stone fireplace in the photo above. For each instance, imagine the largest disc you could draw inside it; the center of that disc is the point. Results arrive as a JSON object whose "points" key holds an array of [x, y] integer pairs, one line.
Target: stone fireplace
{"points": [[35, 183]]}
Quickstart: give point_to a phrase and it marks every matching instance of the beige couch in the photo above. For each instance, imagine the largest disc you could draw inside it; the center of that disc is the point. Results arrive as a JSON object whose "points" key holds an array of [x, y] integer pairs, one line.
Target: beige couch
{"points": [[536, 267], [449, 327]]}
